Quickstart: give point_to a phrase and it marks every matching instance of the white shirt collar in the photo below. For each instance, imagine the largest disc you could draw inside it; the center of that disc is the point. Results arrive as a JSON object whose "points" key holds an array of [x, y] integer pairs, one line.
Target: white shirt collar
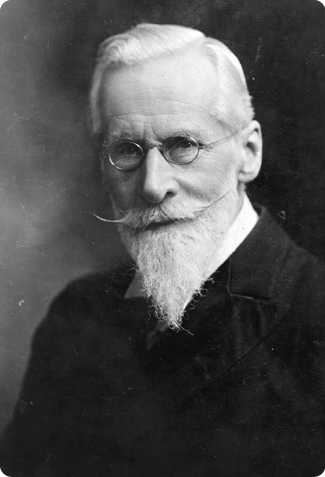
{"points": [[237, 232]]}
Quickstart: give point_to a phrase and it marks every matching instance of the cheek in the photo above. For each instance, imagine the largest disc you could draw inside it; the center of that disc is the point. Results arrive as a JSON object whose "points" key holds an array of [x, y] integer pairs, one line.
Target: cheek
{"points": [[217, 176], [121, 187]]}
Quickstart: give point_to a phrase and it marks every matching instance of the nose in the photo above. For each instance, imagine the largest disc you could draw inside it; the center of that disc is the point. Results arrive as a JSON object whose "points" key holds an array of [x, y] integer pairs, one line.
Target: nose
{"points": [[157, 181]]}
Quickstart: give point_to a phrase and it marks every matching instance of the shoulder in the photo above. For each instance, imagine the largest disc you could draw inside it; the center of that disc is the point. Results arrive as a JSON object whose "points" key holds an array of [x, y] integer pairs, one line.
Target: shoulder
{"points": [[94, 288], [302, 279], [268, 259], [269, 266], [116, 281], [90, 301], [291, 266], [299, 282]]}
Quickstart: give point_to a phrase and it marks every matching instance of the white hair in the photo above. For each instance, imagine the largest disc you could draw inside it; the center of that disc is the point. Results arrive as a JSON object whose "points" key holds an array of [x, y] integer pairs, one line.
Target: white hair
{"points": [[147, 42]]}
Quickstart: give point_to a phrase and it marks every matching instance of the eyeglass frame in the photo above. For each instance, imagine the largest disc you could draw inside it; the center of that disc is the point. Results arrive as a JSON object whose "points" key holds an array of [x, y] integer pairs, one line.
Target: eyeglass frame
{"points": [[161, 149]]}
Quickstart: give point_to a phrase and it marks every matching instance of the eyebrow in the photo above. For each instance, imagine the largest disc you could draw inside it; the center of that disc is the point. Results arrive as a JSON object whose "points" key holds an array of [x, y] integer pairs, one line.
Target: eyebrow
{"points": [[182, 132]]}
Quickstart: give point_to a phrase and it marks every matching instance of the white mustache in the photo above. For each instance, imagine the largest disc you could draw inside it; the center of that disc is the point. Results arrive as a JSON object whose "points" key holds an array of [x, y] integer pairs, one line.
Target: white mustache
{"points": [[142, 217]]}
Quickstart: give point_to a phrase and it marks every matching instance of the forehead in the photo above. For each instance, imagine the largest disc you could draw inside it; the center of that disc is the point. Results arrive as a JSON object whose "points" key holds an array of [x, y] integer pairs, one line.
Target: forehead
{"points": [[177, 89]]}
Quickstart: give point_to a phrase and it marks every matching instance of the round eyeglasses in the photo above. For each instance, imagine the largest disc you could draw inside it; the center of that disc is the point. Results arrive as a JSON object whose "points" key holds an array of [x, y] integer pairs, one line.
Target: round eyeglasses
{"points": [[129, 155]]}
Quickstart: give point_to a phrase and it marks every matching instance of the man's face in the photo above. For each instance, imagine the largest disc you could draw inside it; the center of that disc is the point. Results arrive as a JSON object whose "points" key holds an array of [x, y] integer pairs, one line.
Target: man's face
{"points": [[179, 213], [166, 98]]}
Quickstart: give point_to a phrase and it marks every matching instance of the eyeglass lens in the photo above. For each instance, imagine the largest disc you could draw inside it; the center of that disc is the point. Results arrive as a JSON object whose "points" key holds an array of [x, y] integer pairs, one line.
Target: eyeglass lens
{"points": [[126, 155], [181, 150]]}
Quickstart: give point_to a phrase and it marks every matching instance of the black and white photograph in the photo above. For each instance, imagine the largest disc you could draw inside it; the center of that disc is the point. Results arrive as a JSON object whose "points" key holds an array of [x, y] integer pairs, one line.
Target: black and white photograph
{"points": [[162, 238]]}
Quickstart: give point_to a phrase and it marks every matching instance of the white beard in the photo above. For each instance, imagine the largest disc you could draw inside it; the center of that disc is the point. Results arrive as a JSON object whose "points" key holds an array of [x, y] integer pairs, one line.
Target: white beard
{"points": [[174, 262]]}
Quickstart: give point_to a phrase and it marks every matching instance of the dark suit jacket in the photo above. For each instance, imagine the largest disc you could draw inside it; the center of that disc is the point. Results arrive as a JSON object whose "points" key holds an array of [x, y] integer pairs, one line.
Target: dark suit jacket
{"points": [[242, 394]]}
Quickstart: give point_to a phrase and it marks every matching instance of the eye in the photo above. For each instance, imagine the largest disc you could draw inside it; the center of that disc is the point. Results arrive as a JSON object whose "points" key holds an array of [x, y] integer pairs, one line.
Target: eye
{"points": [[127, 149], [180, 143], [184, 143]]}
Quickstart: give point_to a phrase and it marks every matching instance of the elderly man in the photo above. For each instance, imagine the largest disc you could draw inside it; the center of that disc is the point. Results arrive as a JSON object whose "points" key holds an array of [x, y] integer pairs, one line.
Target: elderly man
{"points": [[206, 356]]}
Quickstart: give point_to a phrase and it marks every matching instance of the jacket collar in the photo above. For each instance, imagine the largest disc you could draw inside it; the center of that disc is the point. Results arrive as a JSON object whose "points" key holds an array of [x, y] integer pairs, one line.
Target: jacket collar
{"points": [[254, 267]]}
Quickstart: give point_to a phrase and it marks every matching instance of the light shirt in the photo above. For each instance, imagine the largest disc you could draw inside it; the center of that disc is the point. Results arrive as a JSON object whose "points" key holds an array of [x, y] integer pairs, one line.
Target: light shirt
{"points": [[236, 234]]}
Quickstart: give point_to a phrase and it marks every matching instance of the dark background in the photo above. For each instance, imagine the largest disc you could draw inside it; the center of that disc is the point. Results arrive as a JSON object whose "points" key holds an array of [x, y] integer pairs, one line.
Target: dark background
{"points": [[49, 180]]}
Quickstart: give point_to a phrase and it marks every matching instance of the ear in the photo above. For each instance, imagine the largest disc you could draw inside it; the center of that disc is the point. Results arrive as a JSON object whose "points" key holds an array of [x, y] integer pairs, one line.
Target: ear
{"points": [[251, 159]]}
